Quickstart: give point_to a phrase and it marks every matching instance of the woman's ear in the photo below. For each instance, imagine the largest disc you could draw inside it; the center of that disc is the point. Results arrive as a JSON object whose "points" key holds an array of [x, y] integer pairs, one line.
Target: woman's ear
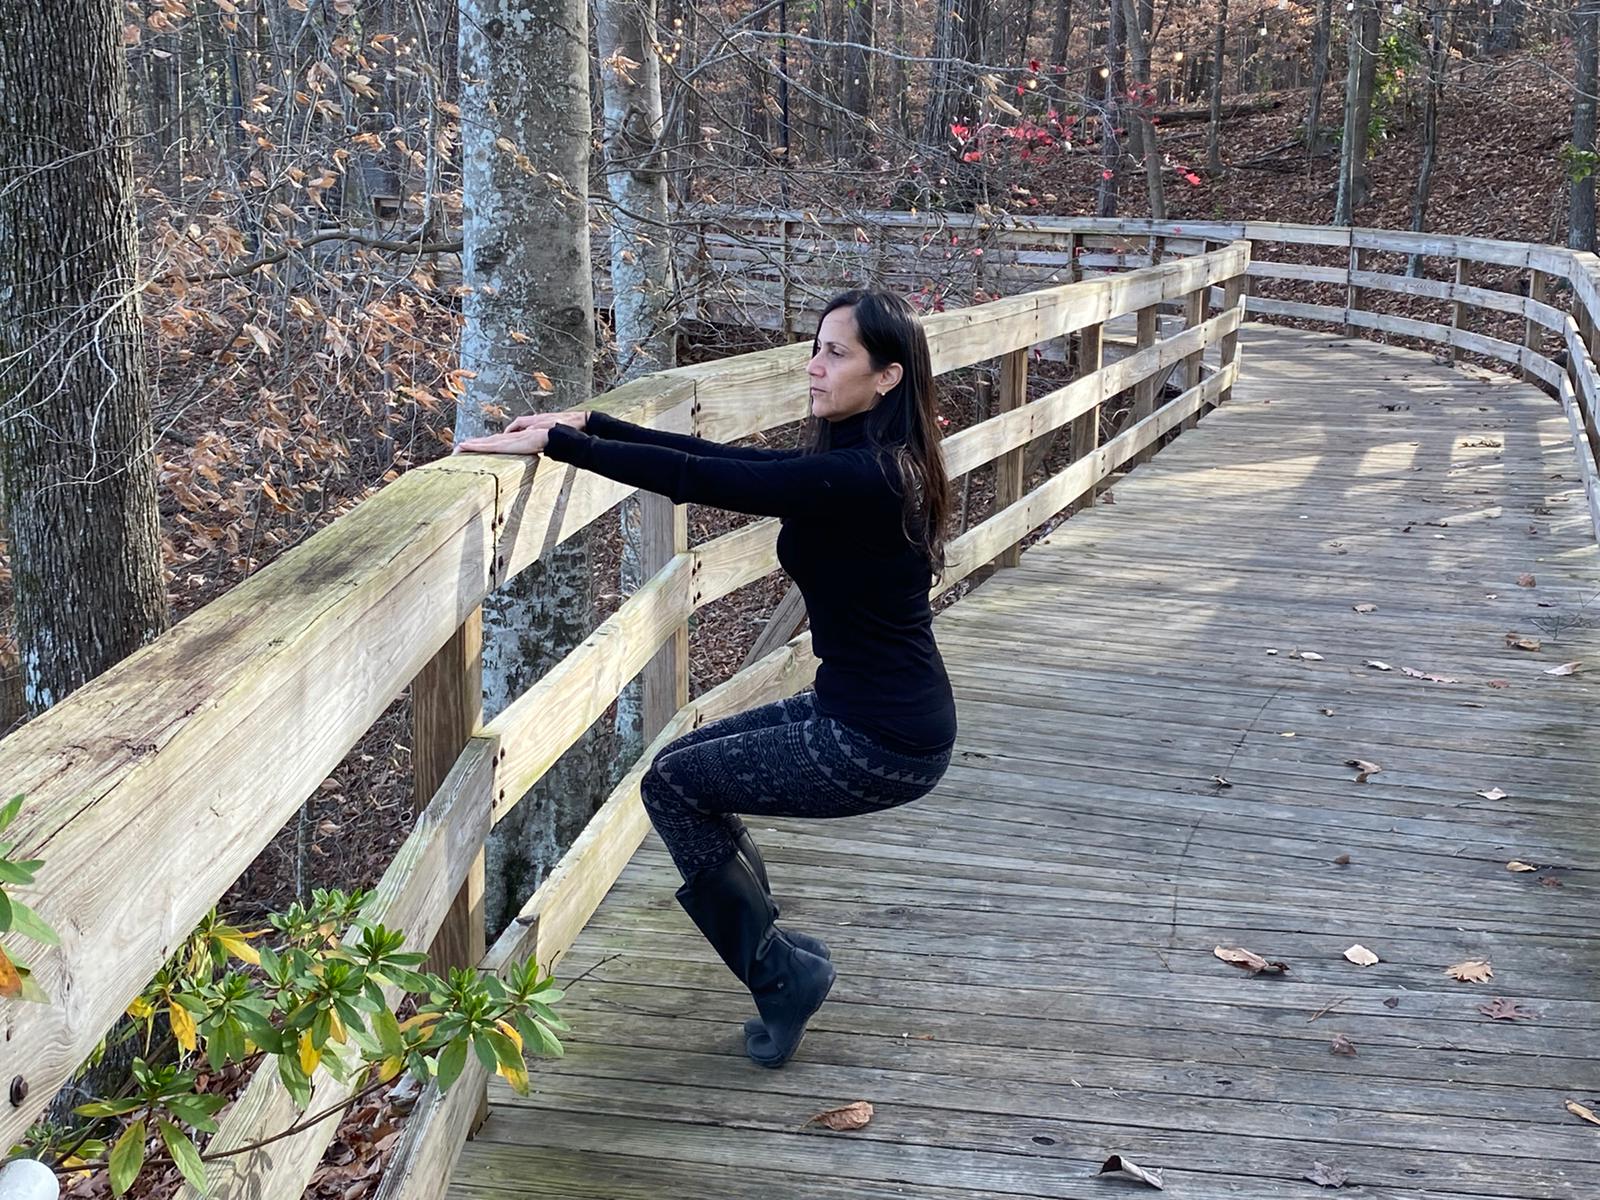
{"points": [[889, 377]]}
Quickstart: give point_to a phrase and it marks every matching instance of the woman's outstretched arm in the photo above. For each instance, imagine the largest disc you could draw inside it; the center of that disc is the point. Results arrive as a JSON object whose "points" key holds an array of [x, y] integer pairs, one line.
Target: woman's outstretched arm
{"points": [[614, 430]]}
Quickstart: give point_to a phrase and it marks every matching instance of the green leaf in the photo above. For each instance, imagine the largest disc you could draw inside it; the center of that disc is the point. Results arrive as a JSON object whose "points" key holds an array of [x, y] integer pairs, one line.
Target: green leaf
{"points": [[108, 1108], [9, 813], [16, 872], [29, 923], [484, 1049], [388, 1031], [451, 1061], [548, 1044], [184, 1154], [127, 1158], [294, 1079], [196, 1110], [5, 913]]}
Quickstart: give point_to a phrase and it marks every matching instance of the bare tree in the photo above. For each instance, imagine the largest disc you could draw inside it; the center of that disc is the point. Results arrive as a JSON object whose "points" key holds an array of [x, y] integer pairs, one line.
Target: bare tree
{"points": [[1585, 81], [1218, 58], [528, 308], [77, 475], [1149, 149], [1438, 51], [1355, 182]]}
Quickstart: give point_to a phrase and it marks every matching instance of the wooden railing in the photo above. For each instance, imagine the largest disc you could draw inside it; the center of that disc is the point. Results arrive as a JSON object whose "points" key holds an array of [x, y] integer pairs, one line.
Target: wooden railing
{"points": [[152, 788], [1543, 302]]}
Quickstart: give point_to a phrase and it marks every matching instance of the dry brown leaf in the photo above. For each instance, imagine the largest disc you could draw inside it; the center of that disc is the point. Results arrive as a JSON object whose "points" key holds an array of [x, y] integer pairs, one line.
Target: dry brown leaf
{"points": [[1519, 865], [1121, 1164], [845, 1118], [1566, 668], [1493, 793], [1364, 770], [1525, 581], [1501, 1009], [1473, 970], [1499, 683], [1287, 733], [1365, 608], [1324, 1175], [1378, 666], [10, 978], [1249, 960], [1327, 712], [1342, 1045], [1518, 642], [1310, 656], [1582, 1111], [1361, 956], [1343, 860], [1415, 674]]}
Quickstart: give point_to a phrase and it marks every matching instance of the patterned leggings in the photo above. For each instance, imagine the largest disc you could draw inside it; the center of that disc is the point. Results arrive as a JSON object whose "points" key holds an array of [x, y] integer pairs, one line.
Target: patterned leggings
{"points": [[782, 759]]}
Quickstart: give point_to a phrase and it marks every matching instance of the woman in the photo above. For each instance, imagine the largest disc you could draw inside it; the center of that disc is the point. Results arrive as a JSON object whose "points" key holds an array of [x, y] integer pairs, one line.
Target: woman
{"points": [[863, 513]]}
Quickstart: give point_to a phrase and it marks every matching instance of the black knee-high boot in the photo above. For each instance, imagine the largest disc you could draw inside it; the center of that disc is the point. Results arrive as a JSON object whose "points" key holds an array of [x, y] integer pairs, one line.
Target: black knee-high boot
{"points": [[728, 905], [752, 856]]}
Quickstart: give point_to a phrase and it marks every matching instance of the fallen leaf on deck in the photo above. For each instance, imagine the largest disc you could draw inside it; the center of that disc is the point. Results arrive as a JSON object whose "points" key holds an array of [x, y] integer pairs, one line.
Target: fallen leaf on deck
{"points": [[1499, 683], [1473, 970], [1549, 881], [1391, 1001], [1583, 1111], [1287, 733], [1525, 581], [1310, 656], [845, 1118], [1364, 769], [1327, 712], [1121, 1164], [1323, 1175], [1484, 443], [1221, 782], [1570, 668], [1501, 1009], [1379, 666], [1518, 865], [1343, 860], [1415, 674], [1493, 793], [1249, 960], [1361, 956], [1342, 1045], [1517, 642], [1365, 608]]}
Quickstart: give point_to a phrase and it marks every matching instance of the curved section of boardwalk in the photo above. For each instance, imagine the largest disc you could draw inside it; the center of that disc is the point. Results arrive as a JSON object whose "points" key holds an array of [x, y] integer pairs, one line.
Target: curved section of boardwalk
{"points": [[1151, 764]]}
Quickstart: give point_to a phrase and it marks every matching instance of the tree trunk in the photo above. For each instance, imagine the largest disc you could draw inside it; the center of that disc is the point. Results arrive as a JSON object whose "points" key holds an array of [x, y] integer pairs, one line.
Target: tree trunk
{"points": [[900, 85], [1143, 106], [1505, 28], [858, 63], [77, 472], [1355, 185], [641, 255], [1586, 50], [1437, 58], [1060, 37], [1321, 39], [1218, 61], [528, 306], [1111, 117]]}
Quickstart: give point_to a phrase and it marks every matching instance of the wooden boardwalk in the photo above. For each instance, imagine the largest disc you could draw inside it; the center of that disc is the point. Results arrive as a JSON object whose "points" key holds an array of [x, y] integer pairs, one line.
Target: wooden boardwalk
{"points": [[1151, 765]]}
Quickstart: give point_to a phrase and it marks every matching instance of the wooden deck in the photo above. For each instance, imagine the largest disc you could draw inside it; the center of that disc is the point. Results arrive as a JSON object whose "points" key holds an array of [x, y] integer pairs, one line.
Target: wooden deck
{"points": [[1147, 770]]}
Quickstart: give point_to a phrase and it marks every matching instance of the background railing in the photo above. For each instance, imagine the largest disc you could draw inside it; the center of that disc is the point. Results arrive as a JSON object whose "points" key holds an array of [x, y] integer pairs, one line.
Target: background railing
{"points": [[152, 788], [1532, 307]]}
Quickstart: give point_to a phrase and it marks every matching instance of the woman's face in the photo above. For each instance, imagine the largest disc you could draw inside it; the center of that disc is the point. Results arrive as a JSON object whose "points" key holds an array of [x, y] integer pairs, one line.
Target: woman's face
{"points": [[843, 379]]}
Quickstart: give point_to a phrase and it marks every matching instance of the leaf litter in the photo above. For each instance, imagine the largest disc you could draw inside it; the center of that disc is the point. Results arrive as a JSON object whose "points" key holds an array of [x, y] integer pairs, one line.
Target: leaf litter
{"points": [[1251, 961]]}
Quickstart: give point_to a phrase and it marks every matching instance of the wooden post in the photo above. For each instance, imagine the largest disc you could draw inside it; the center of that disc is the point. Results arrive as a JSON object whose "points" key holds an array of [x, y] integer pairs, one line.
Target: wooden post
{"points": [[1086, 428], [1073, 274], [785, 249], [1234, 293], [1538, 291], [1194, 315], [1353, 296], [446, 710], [664, 534], [1144, 392], [1460, 310], [1009, 483]]}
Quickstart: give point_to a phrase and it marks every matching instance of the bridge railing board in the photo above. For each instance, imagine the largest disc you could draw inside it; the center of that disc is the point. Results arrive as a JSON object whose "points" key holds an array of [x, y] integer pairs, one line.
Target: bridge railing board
{"points": [[199, 747]]}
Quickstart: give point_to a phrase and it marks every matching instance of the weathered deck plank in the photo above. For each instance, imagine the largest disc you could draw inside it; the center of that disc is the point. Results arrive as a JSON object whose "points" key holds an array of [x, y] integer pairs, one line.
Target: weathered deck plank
{"points": [[1026, 976]]}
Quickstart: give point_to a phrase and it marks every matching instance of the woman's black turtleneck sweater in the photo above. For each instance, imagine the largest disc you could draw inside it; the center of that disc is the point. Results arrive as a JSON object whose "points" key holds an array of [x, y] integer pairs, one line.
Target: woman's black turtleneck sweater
{"points": [[842, 540]]}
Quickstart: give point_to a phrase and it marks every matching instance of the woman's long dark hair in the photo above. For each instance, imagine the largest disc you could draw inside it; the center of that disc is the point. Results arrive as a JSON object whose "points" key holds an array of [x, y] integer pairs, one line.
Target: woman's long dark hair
{"points": [[906, 421]]}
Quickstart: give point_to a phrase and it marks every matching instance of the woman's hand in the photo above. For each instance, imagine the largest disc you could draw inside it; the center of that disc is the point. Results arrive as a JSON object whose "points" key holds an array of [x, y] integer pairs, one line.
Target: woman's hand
{"points": [[528, 434]]}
